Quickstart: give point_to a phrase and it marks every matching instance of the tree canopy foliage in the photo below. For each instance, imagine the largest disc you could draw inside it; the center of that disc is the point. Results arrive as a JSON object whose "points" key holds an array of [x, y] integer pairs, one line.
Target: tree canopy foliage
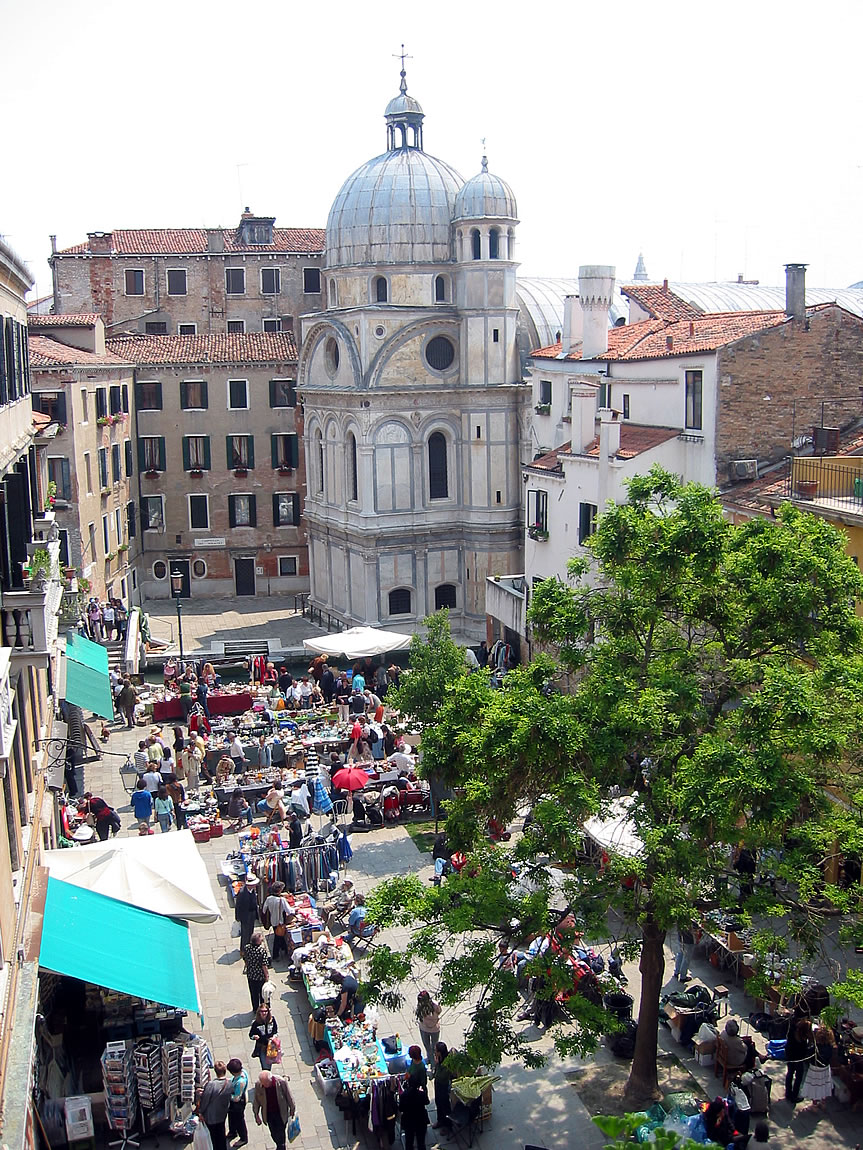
{"points": [[714, 676]]}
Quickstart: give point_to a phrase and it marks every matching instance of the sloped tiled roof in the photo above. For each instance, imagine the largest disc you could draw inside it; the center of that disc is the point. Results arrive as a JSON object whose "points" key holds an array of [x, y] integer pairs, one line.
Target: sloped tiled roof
{"points": [[193, 241], [636, 438], [660, 302], [253, 347], [85, 319], [46, 352], [551, 460], [650, 338]]}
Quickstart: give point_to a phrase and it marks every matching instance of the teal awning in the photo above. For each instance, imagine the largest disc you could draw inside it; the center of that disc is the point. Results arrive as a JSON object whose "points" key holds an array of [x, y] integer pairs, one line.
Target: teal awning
{"points": [[87, 682], [121, 947]]}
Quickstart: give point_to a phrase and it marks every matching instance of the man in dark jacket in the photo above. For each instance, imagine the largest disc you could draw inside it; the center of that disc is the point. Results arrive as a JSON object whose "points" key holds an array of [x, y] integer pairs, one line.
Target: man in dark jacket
{"points": [[246, 909], [273, 1103], [328, 685], [214, 1102]]}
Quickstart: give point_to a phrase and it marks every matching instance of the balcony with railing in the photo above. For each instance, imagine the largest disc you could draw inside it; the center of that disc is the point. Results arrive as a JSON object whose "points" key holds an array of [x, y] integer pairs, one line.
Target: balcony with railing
{"points": [[829, 483], [29, 616]]}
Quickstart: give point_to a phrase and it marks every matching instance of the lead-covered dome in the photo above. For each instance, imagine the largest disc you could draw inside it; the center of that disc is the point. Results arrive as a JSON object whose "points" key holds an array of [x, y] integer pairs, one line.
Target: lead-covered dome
{"points": [[485, 196], [396, 209]]}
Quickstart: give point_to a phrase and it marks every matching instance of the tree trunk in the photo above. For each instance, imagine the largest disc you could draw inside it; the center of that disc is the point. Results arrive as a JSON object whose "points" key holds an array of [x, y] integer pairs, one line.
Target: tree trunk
{"points": [[642, 1085]]}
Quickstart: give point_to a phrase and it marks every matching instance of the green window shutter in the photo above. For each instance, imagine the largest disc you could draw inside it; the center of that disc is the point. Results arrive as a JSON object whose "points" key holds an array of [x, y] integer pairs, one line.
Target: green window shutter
{"points": [[275, 511], [296, 501], [184, 395], [293, 451], [253, 514], [125, 394], [206, 450], [274, 444], [273, 397], [251, 442], [161, 453], [127, 447], [232, 515], [228, 453], [186, 453], [61, 408], [205, 399], [142, 459]]}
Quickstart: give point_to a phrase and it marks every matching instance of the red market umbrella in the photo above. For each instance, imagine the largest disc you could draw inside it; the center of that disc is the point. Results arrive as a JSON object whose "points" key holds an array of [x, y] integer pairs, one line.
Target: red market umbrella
{"points": [[350, 779]]}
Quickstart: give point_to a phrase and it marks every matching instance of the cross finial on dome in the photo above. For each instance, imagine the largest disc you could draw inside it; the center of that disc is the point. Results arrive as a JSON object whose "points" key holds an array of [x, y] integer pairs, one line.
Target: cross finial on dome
{"points": [[403, 85], [484, 156]]}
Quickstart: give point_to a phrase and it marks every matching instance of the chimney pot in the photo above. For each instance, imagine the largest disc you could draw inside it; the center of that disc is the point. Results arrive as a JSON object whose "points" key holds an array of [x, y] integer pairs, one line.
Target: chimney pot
{"points": [[665, 285], [595, 292], [795, 291]]}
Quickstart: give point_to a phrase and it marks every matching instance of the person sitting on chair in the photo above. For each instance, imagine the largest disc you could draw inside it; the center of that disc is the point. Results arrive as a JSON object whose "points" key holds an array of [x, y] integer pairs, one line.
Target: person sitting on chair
{"points": [[358, 927]]}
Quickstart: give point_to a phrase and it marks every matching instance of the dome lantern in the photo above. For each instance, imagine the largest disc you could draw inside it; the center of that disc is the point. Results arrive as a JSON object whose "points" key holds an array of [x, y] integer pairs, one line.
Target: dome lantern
{"points": [[404, 117]]}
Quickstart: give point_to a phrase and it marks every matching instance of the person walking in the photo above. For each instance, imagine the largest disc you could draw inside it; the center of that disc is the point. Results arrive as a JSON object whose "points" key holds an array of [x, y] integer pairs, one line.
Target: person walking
{"points": [[246, 908], [415, 1117], [263, 1028], [799, 1052], [276, 906], [142, 803], [685, 947], [428, 1014], [213, 1104], [105, 818], [164, 808], [177, 794], [257, 967], [108, 620], [237, 1109], [127, 697], [273, 1104]]}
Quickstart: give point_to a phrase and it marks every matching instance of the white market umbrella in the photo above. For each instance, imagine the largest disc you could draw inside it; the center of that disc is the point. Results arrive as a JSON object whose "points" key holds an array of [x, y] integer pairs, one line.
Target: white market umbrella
{"points": [[164, 874], [615, 831], [357, 642]]}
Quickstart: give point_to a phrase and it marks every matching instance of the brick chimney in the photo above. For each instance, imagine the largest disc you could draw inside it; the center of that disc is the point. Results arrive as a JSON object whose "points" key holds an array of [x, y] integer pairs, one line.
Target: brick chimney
{"points": [[100, 243], [595, 291], [795, 291], [215, 240]]}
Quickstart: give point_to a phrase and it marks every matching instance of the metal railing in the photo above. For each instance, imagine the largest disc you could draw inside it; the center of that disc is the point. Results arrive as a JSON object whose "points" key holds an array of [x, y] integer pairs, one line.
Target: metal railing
{"points": [[815, 478], [305, 607]]}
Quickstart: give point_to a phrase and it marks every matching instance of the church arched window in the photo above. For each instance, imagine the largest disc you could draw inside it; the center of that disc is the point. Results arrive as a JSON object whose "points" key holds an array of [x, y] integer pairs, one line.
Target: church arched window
{"points": [[494, 244], [353, 484], [438, 478], [400, 601], [444, 596], [440, 289], [381, 289], [476, 244], [334, 295], [319, 445]]}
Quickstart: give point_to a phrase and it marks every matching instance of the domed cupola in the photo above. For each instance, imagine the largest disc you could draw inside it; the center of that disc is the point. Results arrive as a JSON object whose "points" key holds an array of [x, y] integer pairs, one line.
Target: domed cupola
{"points": [[397, 208], [485, 196]]}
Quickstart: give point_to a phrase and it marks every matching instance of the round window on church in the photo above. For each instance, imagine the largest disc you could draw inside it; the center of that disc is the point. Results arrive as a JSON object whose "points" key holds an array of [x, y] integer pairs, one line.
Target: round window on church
{"points": [[440, 353], [331, 355], [380, 331]]}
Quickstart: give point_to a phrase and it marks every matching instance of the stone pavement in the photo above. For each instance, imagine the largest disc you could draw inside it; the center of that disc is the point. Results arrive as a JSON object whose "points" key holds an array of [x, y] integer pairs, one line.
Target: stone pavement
{"points": [[538, 1107], [216, 620]]}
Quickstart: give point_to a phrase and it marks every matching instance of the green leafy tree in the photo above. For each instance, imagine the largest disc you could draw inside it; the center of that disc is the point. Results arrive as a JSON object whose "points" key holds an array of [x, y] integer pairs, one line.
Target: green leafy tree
{"points": [[716, 682]]}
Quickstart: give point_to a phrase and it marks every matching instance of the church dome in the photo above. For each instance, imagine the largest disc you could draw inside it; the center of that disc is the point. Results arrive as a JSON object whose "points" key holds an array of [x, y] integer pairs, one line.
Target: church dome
{"points": [[485, 196]]}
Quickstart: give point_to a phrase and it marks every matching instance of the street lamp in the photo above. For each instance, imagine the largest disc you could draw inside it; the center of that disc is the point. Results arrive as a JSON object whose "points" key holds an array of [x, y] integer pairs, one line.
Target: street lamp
{"points": [[177, 580]]}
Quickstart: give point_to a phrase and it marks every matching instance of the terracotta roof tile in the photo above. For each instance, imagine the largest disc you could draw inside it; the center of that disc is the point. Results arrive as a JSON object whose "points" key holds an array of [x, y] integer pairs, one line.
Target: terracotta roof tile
{"points": [[86, 319], [635, 439], [650, 338], [46, 352], [660, 302], [253, 347], [193, 241], [550, 461]]}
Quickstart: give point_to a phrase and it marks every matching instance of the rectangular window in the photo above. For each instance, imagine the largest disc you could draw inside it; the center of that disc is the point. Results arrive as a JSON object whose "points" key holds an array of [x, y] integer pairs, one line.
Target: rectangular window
{"points": [[52, 404], [625, 406], [199, 512], [59, 473], [91, 540], [151, 453], [693, 400], [106, 533], [287, 566], [238, 394], [88, 472], [193, 394], [118, 525], [152, 513], [586, 521], [127, 451], [283, 393], [103, 467], [235, 281], [495, 335], [286, 509], [116, 463], [285, 450], [156, 327], [236, 326], [242, 511], [101, 402], [134, 281], [241, 451], [537, 510], [273, 325], [545, 391], [115, 399], [130, 520], [311, 281], [271, 281], [148, 395], [176, 281], [196, 453], [85, 406], [187, 329]]}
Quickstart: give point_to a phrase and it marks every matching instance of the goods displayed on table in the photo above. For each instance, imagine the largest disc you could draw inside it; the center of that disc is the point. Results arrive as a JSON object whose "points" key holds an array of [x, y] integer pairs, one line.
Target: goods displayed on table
{"points": [[357, 1053]]}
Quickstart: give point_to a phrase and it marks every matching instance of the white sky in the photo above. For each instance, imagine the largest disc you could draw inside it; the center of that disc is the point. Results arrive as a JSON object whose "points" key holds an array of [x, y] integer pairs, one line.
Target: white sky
{"points": [[717, 139]]}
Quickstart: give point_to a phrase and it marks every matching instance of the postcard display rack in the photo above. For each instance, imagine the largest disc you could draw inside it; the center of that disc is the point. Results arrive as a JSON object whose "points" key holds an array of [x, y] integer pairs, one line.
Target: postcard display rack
{"points": [[151, 1073]]}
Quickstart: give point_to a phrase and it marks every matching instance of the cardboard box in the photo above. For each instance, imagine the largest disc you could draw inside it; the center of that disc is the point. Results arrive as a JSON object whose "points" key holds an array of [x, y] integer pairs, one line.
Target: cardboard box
{"points": [[705, 1057], [707, 1046]]}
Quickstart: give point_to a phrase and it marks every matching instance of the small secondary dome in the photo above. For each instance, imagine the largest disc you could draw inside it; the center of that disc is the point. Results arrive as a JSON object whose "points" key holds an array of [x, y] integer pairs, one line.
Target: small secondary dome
{"points": [[485, 196]]}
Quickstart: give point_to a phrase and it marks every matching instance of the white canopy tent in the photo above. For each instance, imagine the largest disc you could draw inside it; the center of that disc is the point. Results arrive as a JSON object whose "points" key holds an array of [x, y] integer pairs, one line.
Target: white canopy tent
{"points": [[164, 874], [358, 642], [615, 831]]}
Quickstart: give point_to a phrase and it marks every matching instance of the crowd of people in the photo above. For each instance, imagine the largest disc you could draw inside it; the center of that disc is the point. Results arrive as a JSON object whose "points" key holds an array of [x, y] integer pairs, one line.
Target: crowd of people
{"points": [[104, 622]]}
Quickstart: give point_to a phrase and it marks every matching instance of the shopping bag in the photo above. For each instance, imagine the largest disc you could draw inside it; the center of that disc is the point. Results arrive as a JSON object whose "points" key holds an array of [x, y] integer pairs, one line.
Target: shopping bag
{"points": [[236, 930], [274, 1050], [201, 1139], [293, 1128]]}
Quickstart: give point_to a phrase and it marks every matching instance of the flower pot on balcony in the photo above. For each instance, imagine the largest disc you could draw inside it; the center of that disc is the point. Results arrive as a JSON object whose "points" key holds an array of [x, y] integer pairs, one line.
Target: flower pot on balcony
{"points": [[285, 470], [152, 473], [241, 472], [196, 472], [537, 533], [807, 488], [543, 409]]}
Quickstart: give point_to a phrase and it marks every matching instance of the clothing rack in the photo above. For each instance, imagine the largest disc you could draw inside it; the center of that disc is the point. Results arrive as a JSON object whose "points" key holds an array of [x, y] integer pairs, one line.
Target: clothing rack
{"points": [[305, 868]]}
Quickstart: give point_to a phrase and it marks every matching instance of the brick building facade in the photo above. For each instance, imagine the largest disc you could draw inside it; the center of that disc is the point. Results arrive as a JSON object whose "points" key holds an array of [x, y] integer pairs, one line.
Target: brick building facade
{"points": [[193, 281], [221, 476]]}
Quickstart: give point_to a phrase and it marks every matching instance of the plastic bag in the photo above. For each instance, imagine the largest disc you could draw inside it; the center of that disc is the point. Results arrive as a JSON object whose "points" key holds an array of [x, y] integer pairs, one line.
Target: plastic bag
{"points": [[236, 930], [706, 1033], [201, 1139], [293, 1128], [274, 1049]]}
